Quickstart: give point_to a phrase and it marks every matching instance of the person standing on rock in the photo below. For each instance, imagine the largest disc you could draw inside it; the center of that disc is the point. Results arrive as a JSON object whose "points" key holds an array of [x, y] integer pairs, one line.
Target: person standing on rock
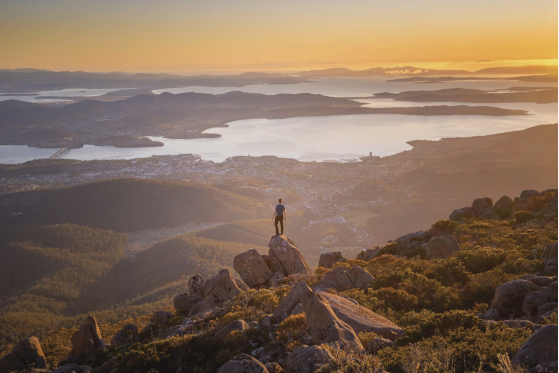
{"points": [[279, 215]]}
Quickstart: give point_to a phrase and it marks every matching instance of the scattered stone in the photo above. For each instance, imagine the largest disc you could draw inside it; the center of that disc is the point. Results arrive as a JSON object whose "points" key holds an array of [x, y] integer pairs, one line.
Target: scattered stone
{"points": [[538, 280], [324, 326], [25, 353], [184, 302], [195, 285], [550, 271], [252, 268], [361, 319], [220, 289], [307, 359], [126, 336], [378, 344], [544, 308], [161, 317], [462, 214], [267, 322], [490, 214], [545, 368], [504, 206], [108, 366], [535, 299], [442, 247], [327, 260], [238, 325], [284, 257], [509, 297], [518, 324], [539, 348], [243, 363], [481, 204], [273, 368], [86, 341], [493, 314], [343, 278]]}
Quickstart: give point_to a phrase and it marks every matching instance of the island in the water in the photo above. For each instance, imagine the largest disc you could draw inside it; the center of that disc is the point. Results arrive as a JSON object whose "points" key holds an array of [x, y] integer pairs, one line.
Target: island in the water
{"points": [[539, 95], [127, 123]]}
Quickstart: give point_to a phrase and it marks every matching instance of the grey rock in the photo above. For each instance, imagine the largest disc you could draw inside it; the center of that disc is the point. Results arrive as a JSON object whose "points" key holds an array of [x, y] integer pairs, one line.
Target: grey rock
{"points": [[539, 348]]}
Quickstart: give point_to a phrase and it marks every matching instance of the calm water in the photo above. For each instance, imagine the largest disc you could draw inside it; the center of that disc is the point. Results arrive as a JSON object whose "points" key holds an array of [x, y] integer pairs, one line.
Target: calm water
{"points": [[322, 138], [71, 92]]}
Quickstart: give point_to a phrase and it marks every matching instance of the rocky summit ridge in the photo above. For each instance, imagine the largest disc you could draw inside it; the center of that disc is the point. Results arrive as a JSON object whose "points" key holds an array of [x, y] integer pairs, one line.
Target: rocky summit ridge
{"points": [[283, 316]]}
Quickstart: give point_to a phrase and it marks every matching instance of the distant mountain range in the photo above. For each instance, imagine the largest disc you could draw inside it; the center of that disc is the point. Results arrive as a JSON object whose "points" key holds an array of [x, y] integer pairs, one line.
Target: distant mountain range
{"points": [[412, 70]]}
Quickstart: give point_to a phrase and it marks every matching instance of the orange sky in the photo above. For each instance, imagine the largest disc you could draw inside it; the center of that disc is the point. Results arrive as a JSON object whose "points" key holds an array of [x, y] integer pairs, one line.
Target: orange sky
{"points": [[184, 35]]}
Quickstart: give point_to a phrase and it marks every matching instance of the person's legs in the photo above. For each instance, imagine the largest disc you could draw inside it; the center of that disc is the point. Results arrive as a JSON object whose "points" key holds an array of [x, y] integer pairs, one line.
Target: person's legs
{"points": [[276, 224], [279, 221]]}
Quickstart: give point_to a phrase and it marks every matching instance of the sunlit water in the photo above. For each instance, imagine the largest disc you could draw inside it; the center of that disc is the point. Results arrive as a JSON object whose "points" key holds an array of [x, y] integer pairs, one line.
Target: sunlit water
{"points": [[340, 137]]}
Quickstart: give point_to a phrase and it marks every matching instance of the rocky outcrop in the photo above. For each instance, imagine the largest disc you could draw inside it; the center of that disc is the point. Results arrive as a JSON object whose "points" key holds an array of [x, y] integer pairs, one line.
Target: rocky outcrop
{"points": [[184, 302], [220, 289], [252, 268], [238, 325], [539, 348], [26, 353], [85, 342], [504, 206], [442, 247], [126, 336], [509, 297], [343, 278], [307, 359], [243, 364], [284, 257], [362, 319], [195, 285], [535, 299], [324, 326], [462, 214], [327, 260], [481, 204], [550, 260], [160, 317]]}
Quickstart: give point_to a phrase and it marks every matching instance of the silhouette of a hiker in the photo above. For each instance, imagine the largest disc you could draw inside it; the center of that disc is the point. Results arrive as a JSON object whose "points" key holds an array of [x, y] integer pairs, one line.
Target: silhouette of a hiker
{"points": [[279, 215]]}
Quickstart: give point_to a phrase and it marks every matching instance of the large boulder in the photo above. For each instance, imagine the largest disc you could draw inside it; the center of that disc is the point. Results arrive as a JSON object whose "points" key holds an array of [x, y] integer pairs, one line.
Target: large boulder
{"points": [[369, 253], [86, 341], [307, 359], [509, 297], [252, 268], [161, 317], [362, 319], [539, 348], [481, 204], [196, 285], [327, 260], [220, 289], [184, 302], [284, 257], [126, 336], [324, 326], [535, 299], [238, 325], [26, 353], [343, 278], [243, 363], [504, 206], [442, 247], [462, 214], [529, 193]]}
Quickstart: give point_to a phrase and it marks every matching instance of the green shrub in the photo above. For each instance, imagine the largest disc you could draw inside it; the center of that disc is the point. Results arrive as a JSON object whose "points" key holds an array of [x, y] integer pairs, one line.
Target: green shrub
{"points": [[444, 227], [523, 216]]}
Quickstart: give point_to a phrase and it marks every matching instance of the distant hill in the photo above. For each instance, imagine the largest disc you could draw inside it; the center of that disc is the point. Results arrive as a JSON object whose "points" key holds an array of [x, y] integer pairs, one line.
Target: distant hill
{"points": [[31, 80], [540, 95], [419, 71], [127, 204]]}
